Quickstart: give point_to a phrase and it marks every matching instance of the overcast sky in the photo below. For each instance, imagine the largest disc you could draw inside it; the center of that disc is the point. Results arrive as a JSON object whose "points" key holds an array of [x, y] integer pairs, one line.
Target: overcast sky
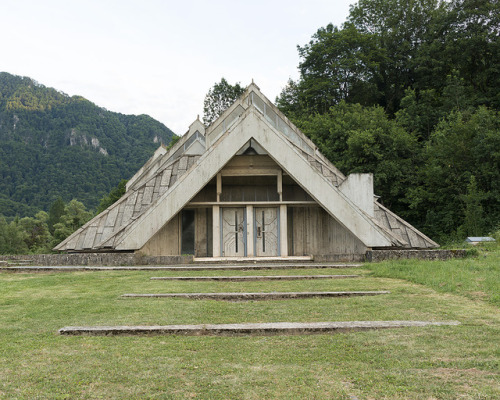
{"points": [[159, 57]]}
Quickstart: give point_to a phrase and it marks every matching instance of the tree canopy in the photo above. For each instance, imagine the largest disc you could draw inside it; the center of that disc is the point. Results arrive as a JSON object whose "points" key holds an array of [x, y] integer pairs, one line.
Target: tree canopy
{"points": [[410, 91], [219, 98]]}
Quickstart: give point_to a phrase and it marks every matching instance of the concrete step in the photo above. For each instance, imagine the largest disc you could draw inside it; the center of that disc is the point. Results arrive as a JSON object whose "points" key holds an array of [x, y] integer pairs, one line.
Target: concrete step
{"points": [[200, 267], [251, 278], [255, 296], [245, 329], [246, 260]]}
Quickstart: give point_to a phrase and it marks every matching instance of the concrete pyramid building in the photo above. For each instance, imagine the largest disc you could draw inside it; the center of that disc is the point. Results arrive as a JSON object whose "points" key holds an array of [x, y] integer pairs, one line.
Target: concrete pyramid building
{"points": [[249, 185]]}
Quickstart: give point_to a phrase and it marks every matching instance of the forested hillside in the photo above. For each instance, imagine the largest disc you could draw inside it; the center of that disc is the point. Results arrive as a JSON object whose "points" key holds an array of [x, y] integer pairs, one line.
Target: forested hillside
{"points": [[53, 145], [410, 90]]}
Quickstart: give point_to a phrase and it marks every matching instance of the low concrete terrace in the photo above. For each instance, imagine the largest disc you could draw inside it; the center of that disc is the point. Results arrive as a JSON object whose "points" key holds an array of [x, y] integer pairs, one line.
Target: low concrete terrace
{"points": [[181, 267]]}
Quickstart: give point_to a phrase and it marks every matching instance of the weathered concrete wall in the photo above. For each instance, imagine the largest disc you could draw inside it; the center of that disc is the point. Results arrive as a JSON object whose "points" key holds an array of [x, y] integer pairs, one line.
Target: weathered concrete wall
{"points": [[359, 188], [382, 255], [119, 259], [325, 258], [167, 241], [96, 259]]}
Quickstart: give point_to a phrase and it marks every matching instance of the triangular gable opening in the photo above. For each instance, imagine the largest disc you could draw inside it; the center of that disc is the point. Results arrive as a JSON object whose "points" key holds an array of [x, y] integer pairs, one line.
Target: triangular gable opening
{"points": [[252, 208]]}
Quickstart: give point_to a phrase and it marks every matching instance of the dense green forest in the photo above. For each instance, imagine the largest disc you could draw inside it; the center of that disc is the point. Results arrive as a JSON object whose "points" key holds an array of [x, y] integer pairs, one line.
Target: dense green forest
{"points": [[410, 90], [53, 145]]}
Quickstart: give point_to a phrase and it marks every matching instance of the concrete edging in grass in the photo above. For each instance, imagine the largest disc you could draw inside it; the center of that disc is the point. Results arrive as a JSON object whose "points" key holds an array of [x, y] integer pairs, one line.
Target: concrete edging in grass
{"points": [[251, 278], [254, 296], [271, 328]]}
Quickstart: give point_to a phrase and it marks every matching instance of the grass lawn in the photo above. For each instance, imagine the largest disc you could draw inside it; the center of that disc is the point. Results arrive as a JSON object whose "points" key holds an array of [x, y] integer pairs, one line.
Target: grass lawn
{"points": [[455, 362]]}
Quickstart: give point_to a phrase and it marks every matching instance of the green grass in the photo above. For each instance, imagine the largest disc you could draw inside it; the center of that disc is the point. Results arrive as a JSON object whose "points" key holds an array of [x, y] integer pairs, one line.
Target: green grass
{"points": [[410, 363], [474, 277]]}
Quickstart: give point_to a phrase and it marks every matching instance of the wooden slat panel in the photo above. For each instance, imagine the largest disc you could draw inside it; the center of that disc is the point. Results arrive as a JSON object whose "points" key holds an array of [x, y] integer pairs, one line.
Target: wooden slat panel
{"points": [[174, 171], [138, 201], [128, 211], [316, 232], [81, 240], [173, 179], [250, 161], [98, 238], [413, 238], [298, 231], [111, 218], [107, 232], [73, 242], [101, 223], [200, 235], [89, 238], [131, 199], [393, 222], [163, 189], [148, 195], [165, 178], [119, 219], [183, 163], [290, 237], [191, 161], [157, 184]]}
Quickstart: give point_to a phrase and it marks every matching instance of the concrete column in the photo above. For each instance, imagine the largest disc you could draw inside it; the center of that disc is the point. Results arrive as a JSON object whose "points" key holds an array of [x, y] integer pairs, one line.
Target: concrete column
{"points": [[250, 228], [280, 184], [216, 231], [283, 231], [219, 186]]}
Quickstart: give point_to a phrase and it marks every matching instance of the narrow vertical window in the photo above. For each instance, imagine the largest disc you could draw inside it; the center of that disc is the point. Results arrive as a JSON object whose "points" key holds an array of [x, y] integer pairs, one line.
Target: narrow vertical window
{"points": [[236, 230], [263, 233], [187, 233]]}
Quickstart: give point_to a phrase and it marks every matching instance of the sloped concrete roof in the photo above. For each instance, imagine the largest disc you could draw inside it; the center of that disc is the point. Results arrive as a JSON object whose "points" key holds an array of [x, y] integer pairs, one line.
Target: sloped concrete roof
{"points": [[103, 230], [153, 195]]}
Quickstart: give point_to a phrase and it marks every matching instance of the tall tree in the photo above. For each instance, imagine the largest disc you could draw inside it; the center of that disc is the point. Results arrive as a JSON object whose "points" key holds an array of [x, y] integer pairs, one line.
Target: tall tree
{"points": [[337, 64], [464, 144], [473, 211], [370, 60], [55, 212], [219, 98], [364, 139], [11, 237], [75, 215], [37, 235], [399, 28]]}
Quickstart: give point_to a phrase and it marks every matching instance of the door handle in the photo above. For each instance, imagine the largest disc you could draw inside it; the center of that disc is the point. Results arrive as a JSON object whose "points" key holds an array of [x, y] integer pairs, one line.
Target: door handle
{"points": [[259, 231]]}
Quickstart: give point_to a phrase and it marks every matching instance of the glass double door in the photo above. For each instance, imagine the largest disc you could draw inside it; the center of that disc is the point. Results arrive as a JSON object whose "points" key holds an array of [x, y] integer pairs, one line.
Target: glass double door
{"points": [[234, 232]]}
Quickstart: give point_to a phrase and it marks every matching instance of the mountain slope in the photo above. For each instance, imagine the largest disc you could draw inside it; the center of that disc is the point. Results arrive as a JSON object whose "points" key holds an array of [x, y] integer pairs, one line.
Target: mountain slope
{"points": [[55, 145]]}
